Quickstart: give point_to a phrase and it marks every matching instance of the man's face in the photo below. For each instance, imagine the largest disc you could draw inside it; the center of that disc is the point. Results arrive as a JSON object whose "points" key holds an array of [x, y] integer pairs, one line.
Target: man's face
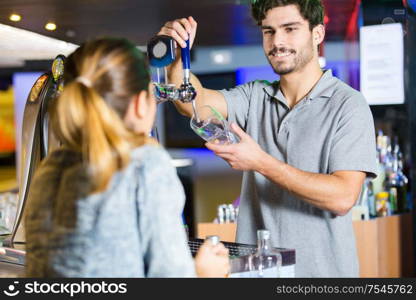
{"points": [[288, 43]]}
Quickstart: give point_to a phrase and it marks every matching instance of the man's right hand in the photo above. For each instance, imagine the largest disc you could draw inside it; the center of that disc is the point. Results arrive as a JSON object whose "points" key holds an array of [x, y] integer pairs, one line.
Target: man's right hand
{"points": [[180, 30]]}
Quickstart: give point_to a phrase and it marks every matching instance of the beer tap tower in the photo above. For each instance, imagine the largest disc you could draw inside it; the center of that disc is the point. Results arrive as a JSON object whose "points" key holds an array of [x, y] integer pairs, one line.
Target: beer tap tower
{"points": [[37, 138]]}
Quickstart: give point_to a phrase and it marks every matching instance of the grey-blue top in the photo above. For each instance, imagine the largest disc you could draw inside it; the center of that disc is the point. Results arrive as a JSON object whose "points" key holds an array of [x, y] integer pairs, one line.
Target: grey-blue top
{"points": [[330, 129], [133, 229]]}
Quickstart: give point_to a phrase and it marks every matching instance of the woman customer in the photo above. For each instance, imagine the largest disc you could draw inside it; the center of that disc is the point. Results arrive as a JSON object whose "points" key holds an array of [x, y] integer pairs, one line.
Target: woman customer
{"points": [[108, 203]]}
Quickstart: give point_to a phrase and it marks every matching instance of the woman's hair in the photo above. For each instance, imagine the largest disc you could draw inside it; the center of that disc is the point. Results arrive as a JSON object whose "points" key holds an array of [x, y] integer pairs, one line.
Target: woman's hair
{"points": [[101, 77]]}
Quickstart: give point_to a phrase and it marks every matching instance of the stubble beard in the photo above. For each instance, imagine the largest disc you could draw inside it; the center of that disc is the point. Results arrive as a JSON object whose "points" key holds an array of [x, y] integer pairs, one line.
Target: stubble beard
{"points": [[298, 62]]}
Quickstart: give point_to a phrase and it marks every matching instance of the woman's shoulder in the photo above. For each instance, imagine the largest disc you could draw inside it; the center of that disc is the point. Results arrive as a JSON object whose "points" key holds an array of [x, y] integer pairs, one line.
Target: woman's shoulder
{"points": [[57, 163], [152, 163], [150, 155]]}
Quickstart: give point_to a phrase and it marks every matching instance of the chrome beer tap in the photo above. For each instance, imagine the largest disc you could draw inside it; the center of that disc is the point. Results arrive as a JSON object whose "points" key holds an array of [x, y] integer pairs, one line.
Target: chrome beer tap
{"points": [[161, 52]]}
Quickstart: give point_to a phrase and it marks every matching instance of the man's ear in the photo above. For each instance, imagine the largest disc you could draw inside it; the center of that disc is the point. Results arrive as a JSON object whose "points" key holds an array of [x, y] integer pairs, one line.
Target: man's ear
{"points": [[140, 104], [318, 33]]}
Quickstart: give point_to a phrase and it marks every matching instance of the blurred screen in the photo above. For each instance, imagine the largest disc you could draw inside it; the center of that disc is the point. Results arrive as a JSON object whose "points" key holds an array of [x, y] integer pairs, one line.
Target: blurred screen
{"points": [[247, 74], [7, 124]]}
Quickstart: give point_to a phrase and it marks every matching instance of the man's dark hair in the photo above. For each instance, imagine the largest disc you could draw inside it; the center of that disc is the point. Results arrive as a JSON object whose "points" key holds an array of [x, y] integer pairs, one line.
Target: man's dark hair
{"points": [[310, 10]]}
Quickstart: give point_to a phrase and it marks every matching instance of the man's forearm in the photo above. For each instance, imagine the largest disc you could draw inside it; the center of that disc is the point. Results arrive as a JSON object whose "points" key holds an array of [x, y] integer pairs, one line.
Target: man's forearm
{"points": [[326, 191]]}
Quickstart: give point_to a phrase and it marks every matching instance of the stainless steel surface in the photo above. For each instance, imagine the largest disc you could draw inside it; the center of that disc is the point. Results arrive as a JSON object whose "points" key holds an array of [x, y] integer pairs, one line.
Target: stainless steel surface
{"points": [[12, 262], [37, 141], [187, 92], [30, 149], [10, 270]]}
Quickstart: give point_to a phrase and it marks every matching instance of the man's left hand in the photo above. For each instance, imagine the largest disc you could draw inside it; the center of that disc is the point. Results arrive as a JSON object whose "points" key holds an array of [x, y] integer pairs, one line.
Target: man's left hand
{"points": [[246, 155]]}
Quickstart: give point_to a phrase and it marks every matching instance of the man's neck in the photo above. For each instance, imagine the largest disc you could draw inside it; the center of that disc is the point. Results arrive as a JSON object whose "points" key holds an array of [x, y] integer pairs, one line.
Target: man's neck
{"points": [[295, 86]]}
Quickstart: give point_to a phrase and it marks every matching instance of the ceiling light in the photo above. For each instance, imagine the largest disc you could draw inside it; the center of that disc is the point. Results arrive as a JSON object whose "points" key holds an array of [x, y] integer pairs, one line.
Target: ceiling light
{"points": [[15, 17], [50, 26]]}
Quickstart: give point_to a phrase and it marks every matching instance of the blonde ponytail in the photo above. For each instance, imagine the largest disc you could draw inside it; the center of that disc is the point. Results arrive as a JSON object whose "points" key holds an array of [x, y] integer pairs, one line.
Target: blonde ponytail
{"points": [[93, 128], [88, 115]]}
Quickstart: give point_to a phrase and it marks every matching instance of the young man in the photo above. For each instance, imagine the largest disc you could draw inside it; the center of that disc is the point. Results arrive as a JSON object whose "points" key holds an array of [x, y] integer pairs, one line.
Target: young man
{"points": [[307, 141]]}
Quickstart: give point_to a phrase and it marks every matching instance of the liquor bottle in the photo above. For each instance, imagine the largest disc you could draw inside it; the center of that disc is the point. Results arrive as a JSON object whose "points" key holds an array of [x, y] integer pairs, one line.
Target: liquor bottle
{"points": [[379, 141], [393, 200], [371, 200], [389, 159], [402, 182], [391, 179], [378, 182], [266, 262], [220, 214], [382, 204], [396, 183]]}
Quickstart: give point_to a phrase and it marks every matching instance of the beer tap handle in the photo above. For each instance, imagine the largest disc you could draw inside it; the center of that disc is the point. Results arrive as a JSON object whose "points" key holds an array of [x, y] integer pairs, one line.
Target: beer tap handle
{"points": [[186, 62], [187, 92]]}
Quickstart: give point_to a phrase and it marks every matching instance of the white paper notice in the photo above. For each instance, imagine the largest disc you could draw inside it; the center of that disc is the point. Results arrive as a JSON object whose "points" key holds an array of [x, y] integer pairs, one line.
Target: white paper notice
{"points": [[381, 63]]}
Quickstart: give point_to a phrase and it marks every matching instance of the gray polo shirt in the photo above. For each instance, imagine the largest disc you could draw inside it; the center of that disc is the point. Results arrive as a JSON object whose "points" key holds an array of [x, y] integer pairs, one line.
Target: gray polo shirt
{"points": [[331, 129]]}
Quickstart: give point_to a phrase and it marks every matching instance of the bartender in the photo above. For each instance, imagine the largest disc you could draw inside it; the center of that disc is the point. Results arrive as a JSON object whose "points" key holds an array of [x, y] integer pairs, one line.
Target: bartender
{"points": [[307, 140]]}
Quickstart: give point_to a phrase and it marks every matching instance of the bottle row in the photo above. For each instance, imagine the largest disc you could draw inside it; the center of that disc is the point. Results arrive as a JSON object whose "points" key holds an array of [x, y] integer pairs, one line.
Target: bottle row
{"points": [[226, 213], [388, 193]]}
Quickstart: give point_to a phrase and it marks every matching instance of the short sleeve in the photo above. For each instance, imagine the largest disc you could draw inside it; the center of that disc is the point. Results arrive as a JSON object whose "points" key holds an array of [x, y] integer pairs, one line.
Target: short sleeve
{"points": [[353, 145], [238, 103], [161, 200]]}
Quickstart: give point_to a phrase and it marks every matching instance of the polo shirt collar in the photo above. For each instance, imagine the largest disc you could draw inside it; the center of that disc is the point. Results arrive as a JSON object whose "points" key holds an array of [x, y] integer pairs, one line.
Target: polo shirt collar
{"points": [[324, 88]]}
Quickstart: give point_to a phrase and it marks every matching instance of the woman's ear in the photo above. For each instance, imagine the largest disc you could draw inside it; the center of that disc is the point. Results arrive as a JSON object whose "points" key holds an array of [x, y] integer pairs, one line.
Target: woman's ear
{"points": [[140, 103]]}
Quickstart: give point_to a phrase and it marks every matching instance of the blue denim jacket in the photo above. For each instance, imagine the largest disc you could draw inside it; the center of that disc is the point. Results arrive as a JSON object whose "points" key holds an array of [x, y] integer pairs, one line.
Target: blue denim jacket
{"points": [[133, 229]]}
